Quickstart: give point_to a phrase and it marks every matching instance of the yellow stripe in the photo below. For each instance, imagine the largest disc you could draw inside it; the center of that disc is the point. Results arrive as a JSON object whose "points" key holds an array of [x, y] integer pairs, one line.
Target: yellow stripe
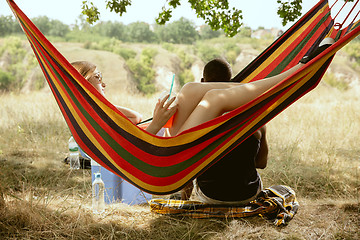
{"points": [[280, 50]]}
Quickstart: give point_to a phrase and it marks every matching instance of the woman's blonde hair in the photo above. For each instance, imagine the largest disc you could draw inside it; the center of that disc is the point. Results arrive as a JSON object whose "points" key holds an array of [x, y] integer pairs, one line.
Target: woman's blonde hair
{"points": [[85, 68]]}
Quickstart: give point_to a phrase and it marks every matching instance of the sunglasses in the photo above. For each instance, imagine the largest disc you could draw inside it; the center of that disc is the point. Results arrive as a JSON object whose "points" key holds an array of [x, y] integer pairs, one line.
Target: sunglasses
{"points": [[98, 76]]}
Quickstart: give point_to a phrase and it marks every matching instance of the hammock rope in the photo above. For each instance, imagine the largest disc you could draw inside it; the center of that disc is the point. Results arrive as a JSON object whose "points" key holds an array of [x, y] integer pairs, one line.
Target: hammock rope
{"points": [[160, 165], [338, 25]]}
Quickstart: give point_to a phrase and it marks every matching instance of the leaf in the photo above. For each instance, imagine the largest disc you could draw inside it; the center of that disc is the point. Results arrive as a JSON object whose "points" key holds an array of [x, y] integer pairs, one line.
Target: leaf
{"points": [[91, 12]]}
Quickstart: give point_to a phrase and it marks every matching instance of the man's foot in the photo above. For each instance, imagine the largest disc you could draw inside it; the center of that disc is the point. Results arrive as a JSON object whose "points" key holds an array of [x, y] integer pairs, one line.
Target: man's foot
{"points": [[325, 43]]}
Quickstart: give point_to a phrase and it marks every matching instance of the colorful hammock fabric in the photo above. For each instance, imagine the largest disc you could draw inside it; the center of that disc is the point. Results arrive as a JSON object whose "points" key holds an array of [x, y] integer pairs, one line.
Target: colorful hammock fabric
{"points": [[277, 203], [162, 165]]}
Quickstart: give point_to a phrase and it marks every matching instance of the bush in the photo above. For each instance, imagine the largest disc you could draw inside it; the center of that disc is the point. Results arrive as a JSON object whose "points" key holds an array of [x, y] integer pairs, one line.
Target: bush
{"points": [[353, 49], [144, 75], [232, 51], [88, 45], [186, 59], [334, 82], [18, 62], [126, 53], [207, 52], [148, 55], [6, 79], [14, 48], [168, 46], [186, 76], [83, 36], [186, 62]]}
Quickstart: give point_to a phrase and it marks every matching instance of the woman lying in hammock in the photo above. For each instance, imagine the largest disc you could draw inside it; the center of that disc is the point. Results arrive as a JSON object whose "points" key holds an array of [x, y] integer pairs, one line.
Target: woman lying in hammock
{"points": [[201, 102], [162, 112], [198, 102]]}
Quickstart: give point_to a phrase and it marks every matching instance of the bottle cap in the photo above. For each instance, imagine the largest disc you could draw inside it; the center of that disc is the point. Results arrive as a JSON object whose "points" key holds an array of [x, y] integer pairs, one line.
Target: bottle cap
{"points": [[98, 175]]}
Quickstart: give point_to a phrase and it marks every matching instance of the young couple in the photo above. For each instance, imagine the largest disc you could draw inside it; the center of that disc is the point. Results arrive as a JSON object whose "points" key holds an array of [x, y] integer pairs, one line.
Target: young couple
{"points": [[233, 179]]}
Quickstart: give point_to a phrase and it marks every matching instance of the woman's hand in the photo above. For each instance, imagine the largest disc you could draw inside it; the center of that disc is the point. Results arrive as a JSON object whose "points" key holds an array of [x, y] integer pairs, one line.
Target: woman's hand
{"points": [[162, 113]]}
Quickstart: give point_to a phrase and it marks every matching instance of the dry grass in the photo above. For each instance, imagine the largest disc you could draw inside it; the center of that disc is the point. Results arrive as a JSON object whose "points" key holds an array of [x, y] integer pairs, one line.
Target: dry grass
{"points": [[314, 144], [313, 148]]}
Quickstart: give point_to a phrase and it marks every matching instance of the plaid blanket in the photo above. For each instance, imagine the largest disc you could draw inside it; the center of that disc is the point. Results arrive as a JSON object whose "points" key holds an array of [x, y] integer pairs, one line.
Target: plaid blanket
{"points": [[276, 203]]}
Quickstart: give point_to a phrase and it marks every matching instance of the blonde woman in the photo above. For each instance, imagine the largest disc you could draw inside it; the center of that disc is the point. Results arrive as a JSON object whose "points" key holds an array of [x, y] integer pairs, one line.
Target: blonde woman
{"points": [[162, 112]]}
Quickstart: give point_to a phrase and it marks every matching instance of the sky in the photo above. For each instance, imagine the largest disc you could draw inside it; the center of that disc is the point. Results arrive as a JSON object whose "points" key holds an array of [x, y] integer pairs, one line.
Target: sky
{"points": [[256, 13], [67, 11]]}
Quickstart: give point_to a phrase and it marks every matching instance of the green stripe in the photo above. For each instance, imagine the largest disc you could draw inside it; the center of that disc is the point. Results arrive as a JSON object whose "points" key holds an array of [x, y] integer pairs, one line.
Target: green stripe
{"points": [[279, 68]]}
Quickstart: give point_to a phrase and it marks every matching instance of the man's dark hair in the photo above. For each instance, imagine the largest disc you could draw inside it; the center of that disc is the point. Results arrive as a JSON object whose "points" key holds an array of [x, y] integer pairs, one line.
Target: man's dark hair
{"points": [[217, 70]]}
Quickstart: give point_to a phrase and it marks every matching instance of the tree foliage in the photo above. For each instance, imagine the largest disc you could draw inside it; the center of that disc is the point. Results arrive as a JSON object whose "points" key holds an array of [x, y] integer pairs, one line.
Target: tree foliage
{"points": [[112, 29], [289, 10], [206, 32], [181, 31], [216, 13], [8, 26], [51, 27], [140, 32]]}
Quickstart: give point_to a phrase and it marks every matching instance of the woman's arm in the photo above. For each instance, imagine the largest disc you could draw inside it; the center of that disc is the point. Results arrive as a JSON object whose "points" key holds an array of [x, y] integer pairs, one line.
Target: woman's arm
{"points": [[262, 157], [134, 116], [162, 113]]}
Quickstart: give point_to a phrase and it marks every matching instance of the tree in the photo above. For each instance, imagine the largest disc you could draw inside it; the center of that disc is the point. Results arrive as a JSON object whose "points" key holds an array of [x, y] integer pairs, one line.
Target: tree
{"points": [[217, 14], [181, 31], [140, 32], [112, 30], [58, 28], [8, 25], [43, 23], [207, 33]]}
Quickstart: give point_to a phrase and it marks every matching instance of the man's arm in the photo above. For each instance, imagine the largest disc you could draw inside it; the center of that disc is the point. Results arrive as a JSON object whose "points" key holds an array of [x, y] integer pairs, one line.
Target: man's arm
{"points": [[262, 157]]}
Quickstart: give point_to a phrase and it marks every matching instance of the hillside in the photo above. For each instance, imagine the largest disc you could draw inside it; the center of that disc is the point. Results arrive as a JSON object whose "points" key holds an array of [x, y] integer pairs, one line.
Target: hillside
{"points": [[111, 65], [167, 61]]}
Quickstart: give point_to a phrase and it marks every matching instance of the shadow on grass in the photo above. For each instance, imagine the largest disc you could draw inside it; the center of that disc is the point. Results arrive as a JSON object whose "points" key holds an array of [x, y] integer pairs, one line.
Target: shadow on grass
{"points": [[25, 171], [26, 220]]}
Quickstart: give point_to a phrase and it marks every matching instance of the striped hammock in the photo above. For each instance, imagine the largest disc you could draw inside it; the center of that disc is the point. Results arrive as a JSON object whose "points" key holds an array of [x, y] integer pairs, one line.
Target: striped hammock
{"points": [[160, 165]]}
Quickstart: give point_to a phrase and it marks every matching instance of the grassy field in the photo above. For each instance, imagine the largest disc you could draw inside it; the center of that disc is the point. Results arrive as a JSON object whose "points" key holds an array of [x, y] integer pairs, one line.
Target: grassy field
{"points": [[314, 148]]}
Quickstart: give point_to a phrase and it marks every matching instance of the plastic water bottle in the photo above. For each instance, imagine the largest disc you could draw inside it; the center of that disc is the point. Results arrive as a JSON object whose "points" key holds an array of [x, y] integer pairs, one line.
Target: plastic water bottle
{"points": [[98, 189], [74, 154]]}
